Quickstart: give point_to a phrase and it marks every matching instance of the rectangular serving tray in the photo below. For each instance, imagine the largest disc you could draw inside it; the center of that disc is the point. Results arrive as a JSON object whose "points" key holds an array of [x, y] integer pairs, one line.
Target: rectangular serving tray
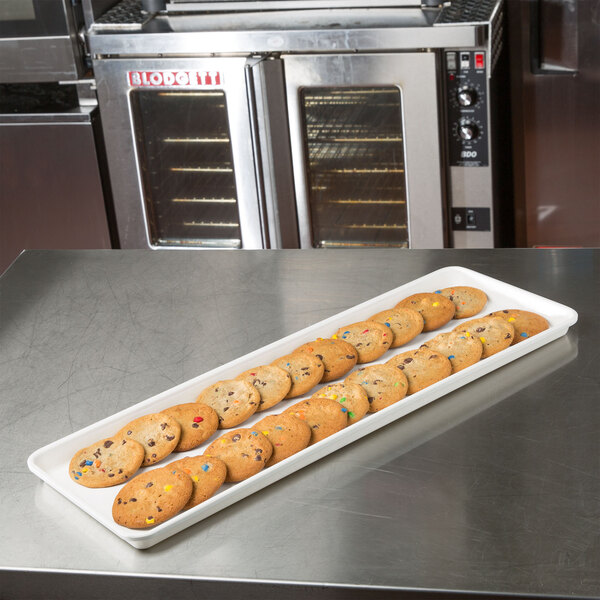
{"points": [[50, 463]]}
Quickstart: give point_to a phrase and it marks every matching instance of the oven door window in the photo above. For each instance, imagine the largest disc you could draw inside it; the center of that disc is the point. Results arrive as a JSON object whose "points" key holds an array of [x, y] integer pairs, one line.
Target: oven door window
{"points": [[184, 149], [355, 162]]}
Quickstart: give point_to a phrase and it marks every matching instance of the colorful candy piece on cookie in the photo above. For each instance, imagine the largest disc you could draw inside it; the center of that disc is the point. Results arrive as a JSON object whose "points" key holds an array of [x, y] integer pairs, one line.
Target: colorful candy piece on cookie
{"points": [[460, 350], [468, 300], [152, 498], [158, 433], [234, 400], [338, 356], [526, 323], [350, 395], [106, 463], [383, 385], [245, 452], [370, 338], [272, 383], [436, 309], [305, 371], [287, 434], [324, 417], [495, 333], [422, 367], [197, 421], [207, 475], [405, 324]]}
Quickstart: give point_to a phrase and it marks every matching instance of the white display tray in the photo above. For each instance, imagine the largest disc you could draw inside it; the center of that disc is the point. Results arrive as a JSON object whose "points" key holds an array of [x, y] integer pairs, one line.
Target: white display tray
{"points": [[51, 462]]}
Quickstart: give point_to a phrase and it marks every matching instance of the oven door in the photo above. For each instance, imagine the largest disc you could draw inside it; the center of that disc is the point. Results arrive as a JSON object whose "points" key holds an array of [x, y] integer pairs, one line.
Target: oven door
{"points": [[365, 148], [180, 152]]}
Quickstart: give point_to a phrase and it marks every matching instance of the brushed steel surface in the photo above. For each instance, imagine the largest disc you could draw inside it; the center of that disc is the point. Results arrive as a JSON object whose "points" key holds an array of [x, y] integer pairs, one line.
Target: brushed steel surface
{"points": [[493, 488]]}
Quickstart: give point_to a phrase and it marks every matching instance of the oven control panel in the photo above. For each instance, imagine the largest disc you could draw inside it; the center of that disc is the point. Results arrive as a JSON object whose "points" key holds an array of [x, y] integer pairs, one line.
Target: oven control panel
{"points": [[466, 100]]}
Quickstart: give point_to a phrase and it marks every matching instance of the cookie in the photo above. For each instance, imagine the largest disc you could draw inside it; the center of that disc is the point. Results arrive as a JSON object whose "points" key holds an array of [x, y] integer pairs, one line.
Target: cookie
{"points": [[286, 433], [495, 333], [158, 433], [152, 498], [383, 384], [245, 452], [338, 356], [305, 371], [460, 350], [349, 395], [324, 417], [108, 462], [422, 367], [405, 324], [525, 323], [370, 338], [468, 301], [207, 475], [435, 309], [197, 421], [233, 400], [273, 383]]}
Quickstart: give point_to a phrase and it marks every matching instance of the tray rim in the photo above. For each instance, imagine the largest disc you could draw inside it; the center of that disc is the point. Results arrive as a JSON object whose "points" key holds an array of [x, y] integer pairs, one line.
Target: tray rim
{"points": [[145, 538]]}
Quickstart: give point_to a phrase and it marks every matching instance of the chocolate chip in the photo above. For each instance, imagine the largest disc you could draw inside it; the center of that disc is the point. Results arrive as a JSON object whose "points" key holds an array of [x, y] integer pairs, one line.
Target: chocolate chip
{"points": [[123, 442], [111, 474], [508, 336], [304, 368], [151, 443], [108, 443], [245, 455], [226, 409], [258, 450], [450, 297], [480, 329], [129, 432], [230, 394], [257, 458], [401, 367], [170, 438], [408, 360], [149, 484], [163, 426], [132, 499], [119, 501], [159, 509], [504, 311], [82, 463], [319, 356], [154, 456], [195, 425], [315, 426], [120, 471], [236, 438], [350, 356]]}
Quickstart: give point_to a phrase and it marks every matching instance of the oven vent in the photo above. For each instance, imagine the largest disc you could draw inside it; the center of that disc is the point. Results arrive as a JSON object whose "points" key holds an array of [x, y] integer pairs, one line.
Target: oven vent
{"points": [[467, 11], [127, 15]]}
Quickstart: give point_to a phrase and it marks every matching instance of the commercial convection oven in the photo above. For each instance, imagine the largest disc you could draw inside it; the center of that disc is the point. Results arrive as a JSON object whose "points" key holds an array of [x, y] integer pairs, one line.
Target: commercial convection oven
{"points": [[302, 123]]}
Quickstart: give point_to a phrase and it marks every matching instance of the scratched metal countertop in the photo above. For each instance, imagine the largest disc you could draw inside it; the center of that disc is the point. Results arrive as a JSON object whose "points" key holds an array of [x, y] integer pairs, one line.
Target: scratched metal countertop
{"points": [[491, 490]]}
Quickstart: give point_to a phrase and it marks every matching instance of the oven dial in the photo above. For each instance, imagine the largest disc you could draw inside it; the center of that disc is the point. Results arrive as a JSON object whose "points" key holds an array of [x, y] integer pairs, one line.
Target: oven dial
{"points": [[467, 96], [468, 130]]}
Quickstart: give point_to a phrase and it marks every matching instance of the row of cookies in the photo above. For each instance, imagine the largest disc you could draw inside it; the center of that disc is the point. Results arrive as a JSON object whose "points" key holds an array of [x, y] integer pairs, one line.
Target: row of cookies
{"points": [[325, 360], [237, 455], [228, 403]]}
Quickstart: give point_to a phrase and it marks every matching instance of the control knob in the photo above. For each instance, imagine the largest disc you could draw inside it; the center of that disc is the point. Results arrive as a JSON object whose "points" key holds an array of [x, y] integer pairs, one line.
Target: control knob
{"points": [[467, 96], [468, 130]]}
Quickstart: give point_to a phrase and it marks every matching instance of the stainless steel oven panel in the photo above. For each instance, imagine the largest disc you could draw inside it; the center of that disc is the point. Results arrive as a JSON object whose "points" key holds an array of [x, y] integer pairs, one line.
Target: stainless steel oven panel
{"points": [[124, 166], [415, 76]]}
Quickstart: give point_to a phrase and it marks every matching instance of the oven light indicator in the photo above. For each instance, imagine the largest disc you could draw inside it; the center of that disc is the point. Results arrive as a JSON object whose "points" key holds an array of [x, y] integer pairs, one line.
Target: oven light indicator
{"points": [[189, 79], [479, 60]]}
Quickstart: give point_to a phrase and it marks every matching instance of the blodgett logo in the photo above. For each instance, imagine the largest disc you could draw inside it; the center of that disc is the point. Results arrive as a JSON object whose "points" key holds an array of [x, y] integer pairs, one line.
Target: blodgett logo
{"points": [[192, 79]]}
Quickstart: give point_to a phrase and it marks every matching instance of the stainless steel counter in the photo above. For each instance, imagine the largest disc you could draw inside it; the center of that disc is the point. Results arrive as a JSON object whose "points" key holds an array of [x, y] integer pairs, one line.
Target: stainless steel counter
{"points": [[494, 488]]}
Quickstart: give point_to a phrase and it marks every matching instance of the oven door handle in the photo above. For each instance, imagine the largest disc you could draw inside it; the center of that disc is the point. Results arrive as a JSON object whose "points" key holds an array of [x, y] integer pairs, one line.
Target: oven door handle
{"points": [[553, 37]]}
